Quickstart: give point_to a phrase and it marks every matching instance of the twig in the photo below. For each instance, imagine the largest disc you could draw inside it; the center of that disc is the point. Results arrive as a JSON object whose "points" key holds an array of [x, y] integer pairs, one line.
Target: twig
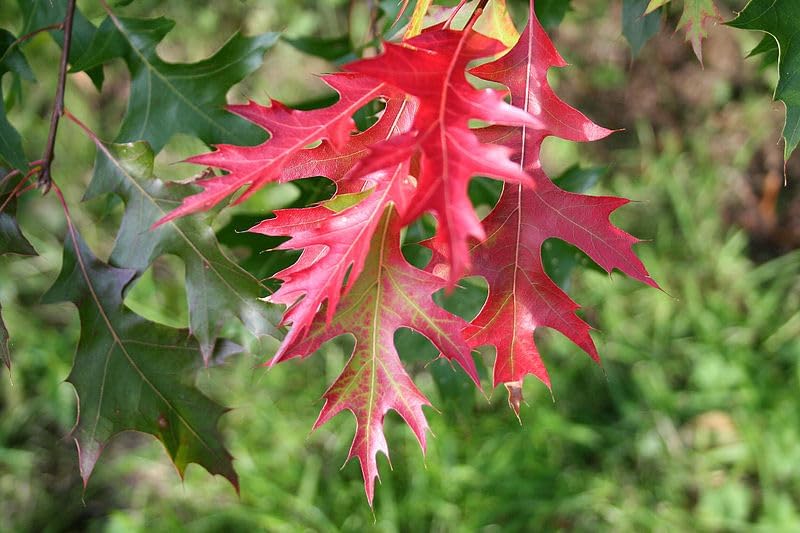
{"points": [[45, 178]]}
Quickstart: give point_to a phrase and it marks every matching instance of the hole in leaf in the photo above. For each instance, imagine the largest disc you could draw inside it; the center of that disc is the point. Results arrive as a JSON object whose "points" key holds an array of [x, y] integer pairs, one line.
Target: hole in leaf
{"points": [[484, 192], [421, 229], [313, 190], [560, 260], [467, 299], [368, 114], [169, 165], [159, 294]]}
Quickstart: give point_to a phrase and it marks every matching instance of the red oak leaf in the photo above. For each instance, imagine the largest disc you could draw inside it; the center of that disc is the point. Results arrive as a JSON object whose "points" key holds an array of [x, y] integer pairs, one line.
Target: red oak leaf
{"points": [[291, 131], [335, 244], [431, 67], [389, 294], [419, 157], [521, 295]]}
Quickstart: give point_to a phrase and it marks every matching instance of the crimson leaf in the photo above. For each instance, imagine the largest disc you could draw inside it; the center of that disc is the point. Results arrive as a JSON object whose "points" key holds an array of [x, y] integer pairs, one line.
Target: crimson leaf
{"points": [[388, 295], [521, 296]]}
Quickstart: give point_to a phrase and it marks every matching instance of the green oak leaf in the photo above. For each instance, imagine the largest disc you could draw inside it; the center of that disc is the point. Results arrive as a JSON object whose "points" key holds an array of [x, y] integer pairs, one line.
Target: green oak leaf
{"points": [[637, 27], [12, 241], [11, 61], [131, 374], [767, 49], [780, 19], [217, 288], [551, 12], [335, 49], [10, 142], [169, 98], [40, 13]]}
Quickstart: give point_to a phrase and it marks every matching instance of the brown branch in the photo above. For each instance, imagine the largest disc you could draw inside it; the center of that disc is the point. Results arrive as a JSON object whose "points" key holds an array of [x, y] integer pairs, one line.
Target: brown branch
{"points": [[45, 178]]}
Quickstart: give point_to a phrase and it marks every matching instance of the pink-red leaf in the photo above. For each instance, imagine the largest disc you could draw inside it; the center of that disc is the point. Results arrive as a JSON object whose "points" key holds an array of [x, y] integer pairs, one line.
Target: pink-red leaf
{"points": [[389, 294], [335, 244], [291, 131], [431, 67], [522, 297]]}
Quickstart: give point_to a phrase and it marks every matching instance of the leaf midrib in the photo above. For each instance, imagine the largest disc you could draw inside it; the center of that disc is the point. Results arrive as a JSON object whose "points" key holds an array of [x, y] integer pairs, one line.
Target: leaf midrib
{"points": [[118, 341]]}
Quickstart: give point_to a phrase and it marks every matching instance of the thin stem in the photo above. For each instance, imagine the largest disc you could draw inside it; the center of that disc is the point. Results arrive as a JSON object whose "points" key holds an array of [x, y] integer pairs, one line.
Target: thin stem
{"points": [[34, 33], [16, 191], [45, 178], [66, 213], [9, 176], [89, 133], [476, 14]]}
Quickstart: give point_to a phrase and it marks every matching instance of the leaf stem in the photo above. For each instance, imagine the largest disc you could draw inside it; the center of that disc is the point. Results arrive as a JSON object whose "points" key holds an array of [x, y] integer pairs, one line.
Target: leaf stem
{"points": [[45, 177], [16, 190], [475, 14], [9, 175], [89, 133]]}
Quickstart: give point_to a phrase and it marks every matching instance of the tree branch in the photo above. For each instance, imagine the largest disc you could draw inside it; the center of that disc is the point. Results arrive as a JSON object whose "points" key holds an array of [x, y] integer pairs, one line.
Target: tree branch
{"points": [[45, 178]]}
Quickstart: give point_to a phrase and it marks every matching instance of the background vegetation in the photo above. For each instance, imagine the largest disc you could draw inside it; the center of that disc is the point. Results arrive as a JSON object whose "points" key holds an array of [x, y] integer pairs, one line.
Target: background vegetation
{"points": [[690, 424]]}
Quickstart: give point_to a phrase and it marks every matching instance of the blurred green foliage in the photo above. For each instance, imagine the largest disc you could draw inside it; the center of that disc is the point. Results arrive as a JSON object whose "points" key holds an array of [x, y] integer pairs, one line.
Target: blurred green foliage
{"points": [[691, 424]]}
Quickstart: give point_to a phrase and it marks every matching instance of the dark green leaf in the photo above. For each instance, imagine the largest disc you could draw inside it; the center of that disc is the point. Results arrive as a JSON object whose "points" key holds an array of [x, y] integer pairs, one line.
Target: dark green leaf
{"points": [[13, 61], [11, 239], [217, 288], [578, 180], [637, 27], [485, 191], [551, 12], [780, 19], [10, 142], [768, 48], [258, 254], [132, 374], [169, 98], [331, 49], [40, 13]]}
